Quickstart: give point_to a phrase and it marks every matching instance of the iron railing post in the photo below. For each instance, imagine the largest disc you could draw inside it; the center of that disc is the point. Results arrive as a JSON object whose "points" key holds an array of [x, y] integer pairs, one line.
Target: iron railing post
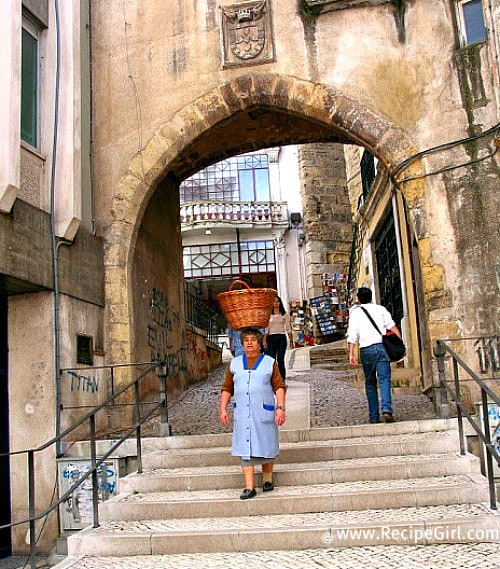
{"points": [[439, 353], [461, 432], [138, 429], [489, 446], [112, 382], [161, 371], [31, 506], [95, 483]]}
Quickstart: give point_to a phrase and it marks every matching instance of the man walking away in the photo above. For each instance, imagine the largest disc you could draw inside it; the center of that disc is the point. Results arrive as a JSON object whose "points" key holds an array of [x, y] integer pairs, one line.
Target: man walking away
{"points": [[374, 358]]}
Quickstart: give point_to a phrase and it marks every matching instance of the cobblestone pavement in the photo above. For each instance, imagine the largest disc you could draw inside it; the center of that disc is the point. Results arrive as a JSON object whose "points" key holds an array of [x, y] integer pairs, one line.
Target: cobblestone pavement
{"points": [[480, 556], [333, 402]]}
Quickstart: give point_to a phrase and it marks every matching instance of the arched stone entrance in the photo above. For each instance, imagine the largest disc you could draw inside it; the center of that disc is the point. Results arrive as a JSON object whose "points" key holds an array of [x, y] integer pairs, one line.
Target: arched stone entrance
{"points": [[250, 112]]}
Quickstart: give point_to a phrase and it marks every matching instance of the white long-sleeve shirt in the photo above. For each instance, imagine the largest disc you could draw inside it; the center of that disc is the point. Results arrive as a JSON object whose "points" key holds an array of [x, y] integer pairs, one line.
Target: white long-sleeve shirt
{"points": [[361, 330], [279, 324]]}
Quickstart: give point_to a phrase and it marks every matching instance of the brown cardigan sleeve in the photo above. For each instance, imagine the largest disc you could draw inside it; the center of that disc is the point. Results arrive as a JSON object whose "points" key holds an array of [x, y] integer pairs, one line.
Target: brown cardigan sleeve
{"points": [[228, 384], [276, 380]]}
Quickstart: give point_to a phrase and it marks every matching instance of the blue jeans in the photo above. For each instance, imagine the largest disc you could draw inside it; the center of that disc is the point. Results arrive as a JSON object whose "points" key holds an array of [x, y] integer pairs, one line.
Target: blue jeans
{"points": [[377, 366]]}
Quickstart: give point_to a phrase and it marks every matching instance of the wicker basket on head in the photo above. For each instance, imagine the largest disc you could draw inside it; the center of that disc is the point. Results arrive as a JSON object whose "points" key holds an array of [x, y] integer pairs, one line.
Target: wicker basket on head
{"points": [[248, 306]]}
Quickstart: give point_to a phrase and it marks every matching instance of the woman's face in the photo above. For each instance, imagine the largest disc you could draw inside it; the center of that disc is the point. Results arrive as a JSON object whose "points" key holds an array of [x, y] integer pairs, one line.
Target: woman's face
{"points": [[251, 344], [276, 305]]}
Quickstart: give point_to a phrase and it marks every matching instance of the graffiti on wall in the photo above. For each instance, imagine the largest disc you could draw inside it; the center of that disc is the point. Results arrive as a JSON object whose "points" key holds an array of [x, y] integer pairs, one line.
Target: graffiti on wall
{"points": [[197, 356], [488, 353], [83, 383], [77, 510], [164, 319]]}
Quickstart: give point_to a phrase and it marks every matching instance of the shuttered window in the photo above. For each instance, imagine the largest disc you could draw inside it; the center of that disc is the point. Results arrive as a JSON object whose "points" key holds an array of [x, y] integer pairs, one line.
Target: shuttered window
{"points": [[29, 85]]}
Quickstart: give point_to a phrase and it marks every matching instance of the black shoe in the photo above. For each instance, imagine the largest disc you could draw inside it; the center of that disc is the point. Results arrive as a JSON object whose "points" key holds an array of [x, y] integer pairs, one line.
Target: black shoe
{"points": [[387, 417], [268, 487], [373, 422], [247, 494]]}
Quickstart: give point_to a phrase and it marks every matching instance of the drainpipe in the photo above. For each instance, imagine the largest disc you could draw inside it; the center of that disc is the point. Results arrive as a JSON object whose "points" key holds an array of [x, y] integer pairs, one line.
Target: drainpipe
{"points": [[91, 111], [55, 245]]}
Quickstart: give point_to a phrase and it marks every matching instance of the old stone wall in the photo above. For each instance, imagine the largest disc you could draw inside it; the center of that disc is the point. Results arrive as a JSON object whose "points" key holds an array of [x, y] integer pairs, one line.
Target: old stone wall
{"points": [[158, 325], [327, 214], [172, 99]]}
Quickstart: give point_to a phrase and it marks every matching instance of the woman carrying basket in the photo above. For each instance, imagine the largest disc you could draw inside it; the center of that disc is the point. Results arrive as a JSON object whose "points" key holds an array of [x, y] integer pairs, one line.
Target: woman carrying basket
{"points": [[259, 409]]}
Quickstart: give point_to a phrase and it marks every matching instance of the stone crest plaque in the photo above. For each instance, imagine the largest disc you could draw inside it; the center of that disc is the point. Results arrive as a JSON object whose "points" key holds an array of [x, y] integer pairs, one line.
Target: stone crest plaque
{"points": [[247, 34]]}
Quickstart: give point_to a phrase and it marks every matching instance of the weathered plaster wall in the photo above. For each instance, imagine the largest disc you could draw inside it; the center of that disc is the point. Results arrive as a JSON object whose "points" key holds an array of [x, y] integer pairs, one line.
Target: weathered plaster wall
{"points": [[86, 388], [32, 396]]}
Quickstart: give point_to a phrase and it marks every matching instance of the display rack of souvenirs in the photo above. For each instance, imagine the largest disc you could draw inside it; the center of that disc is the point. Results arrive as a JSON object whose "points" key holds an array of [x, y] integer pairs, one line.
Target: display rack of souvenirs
{"points": [[330, 309], [335, 285], [301, 322], [324, 311]]}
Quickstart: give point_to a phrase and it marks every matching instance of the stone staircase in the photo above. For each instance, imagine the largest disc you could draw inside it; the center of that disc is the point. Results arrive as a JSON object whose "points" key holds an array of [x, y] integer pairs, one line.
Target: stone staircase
{"points": [[401, 483], [334, 357]]}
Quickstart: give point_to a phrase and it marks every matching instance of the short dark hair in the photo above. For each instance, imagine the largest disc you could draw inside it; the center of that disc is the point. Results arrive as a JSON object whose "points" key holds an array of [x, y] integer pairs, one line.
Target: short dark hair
{"points": [[364, 295], [252, 331]]}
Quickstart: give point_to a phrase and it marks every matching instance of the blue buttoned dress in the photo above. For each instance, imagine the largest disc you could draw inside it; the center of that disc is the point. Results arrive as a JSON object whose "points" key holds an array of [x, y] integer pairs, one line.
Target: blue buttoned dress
{"points": [[255, 434]]}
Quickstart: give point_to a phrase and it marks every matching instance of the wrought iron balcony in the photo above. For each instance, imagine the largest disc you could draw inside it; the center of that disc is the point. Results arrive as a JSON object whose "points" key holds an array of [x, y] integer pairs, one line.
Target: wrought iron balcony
{"points": [[219, 212]]}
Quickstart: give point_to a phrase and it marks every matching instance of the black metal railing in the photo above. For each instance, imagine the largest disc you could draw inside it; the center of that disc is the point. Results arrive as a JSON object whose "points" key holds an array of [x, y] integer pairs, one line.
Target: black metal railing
{"points": [[160, 371], [453, 390], [202, 316]]}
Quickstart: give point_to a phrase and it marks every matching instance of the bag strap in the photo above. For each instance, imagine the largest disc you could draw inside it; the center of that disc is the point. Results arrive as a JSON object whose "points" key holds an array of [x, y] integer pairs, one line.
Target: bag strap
{"points": [[371, 319]]}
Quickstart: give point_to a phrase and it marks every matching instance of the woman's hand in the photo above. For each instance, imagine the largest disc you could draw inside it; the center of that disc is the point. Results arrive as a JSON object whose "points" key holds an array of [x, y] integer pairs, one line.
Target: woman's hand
{"points": [[279, 417], [223, 416], [224, 401]]}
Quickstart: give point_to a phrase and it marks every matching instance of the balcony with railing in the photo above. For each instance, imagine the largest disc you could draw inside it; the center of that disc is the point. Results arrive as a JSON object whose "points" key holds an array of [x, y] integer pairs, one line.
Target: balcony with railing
{"points": [[203, 213]]}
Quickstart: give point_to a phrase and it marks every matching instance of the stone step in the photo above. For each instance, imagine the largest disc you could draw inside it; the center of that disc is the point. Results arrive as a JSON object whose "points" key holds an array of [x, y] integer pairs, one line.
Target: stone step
{"points": [[454, 523], [426, 556], [359, 495], [366, 485], [294, 474], [356, 447]]}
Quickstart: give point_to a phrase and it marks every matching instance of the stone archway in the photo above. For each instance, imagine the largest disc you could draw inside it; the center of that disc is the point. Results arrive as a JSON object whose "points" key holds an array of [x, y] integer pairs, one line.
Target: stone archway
{"points": [[204, 132]]}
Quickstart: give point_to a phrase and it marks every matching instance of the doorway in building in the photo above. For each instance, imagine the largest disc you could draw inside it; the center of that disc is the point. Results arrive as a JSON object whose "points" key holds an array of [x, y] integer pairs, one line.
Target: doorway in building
{"points": [[5, 539], [388, 273]]}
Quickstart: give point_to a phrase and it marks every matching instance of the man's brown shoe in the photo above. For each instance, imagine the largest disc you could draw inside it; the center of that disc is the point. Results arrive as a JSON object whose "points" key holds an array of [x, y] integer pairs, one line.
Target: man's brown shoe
{"points": [[387, 417]]}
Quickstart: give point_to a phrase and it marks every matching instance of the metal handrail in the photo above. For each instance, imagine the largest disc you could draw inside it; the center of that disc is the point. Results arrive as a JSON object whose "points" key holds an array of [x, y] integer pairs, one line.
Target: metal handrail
{"points": [[160, 369], [487, 395]]}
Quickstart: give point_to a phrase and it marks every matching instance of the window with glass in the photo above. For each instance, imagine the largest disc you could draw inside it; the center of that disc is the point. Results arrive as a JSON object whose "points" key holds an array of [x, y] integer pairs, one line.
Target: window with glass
{"points": [[241, 178], [368, 172], [471, 19], [222, 260], [30, 83]]}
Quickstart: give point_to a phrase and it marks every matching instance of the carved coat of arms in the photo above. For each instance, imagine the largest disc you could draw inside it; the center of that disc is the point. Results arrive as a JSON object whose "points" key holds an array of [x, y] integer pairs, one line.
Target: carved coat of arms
{"points": [[246, 32]]}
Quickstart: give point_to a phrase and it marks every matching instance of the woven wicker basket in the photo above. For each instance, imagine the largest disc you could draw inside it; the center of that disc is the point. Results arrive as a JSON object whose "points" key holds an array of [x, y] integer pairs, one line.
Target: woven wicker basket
{"points": [[247, 307]]}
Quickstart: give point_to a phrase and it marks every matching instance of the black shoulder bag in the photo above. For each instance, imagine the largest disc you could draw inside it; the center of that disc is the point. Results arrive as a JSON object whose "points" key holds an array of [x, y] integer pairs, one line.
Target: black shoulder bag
{"points": [[393, 344]]}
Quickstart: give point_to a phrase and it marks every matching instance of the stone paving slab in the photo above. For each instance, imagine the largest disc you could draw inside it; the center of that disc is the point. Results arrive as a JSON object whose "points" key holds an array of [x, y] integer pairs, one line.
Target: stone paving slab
{"points": [[381, 468], [439, 556], [354, 447], [289, 491], [359, 495], [343, 518]]}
